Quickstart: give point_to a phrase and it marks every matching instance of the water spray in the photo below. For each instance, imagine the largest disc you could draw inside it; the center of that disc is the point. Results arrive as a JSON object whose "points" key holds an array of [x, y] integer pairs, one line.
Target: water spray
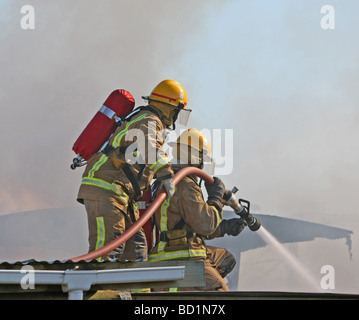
{"points": [[290, 259], [241, 207]]}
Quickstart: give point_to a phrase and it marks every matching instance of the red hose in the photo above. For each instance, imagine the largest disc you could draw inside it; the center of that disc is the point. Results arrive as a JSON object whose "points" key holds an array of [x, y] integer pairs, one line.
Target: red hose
{"points": [[147, 214]]}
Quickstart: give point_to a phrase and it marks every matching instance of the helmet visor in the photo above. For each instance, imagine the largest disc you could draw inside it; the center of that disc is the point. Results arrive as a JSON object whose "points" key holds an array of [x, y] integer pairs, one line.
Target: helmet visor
{"points": [[183, 116]]}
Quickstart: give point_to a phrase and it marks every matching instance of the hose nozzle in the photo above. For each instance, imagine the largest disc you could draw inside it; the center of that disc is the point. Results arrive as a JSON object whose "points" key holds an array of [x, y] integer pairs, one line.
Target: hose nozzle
{"points": [[242, 210], [253, 223]]}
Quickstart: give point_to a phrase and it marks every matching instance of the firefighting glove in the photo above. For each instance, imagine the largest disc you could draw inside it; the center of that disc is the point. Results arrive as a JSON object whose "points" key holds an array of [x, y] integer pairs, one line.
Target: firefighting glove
{"points": [[232, 227], [215, 192], [169, 187]]}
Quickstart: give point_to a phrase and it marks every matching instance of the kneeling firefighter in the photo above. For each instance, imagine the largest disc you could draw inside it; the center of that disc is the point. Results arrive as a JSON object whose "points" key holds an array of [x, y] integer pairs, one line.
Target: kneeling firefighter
{"points": [[115, 177], [186, 220]]}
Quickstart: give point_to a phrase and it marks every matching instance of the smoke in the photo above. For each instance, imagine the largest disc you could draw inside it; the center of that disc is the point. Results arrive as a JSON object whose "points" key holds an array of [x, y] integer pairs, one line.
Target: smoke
{"points": [[287, 91], [55, 77], [15, 197]]}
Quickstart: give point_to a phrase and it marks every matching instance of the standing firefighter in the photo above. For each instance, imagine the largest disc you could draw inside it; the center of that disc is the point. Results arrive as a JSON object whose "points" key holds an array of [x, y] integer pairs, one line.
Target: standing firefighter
{"points": [[114, 179], [186, 220]]}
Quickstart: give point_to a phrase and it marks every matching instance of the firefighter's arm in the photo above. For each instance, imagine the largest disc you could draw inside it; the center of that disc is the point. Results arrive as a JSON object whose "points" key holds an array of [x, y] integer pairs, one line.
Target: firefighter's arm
{"points": [[202, 217], [155, 156], [231, 227], [152, 151], [215, 193]]}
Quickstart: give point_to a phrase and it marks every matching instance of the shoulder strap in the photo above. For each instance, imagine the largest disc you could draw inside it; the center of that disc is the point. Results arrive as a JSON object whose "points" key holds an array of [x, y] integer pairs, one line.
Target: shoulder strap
{"points": [[137, 110]]}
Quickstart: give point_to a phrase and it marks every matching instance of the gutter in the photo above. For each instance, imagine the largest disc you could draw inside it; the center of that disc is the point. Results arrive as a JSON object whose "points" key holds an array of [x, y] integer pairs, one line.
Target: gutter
{"points": [[75, 282]]}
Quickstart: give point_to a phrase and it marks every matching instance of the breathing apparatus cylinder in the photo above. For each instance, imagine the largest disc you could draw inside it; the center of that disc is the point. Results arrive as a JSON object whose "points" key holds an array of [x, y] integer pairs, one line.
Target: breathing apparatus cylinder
{"points": [[116, 107], [242, 210]]}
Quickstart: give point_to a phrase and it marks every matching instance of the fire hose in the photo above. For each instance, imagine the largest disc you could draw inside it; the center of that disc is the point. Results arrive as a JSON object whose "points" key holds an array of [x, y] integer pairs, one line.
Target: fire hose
{"points": [[146, 215], [151, 210]]}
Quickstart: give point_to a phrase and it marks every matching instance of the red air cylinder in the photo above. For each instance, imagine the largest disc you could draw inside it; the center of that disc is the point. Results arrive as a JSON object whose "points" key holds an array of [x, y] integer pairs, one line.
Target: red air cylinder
{"points": [[118, 104]]}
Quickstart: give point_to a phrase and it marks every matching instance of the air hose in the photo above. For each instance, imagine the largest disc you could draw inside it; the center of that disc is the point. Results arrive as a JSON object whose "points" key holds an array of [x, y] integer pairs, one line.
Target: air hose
{"points": [[145, 216]]}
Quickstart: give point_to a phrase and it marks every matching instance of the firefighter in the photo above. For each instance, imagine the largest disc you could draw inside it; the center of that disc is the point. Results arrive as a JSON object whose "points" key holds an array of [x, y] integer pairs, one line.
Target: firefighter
{"points": [[115, 178], [186, 220]]}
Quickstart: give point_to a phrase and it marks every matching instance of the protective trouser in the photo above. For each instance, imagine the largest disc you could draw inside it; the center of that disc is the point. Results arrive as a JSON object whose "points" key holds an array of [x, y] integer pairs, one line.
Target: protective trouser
{"points": [[218, 264], [109, 219]]}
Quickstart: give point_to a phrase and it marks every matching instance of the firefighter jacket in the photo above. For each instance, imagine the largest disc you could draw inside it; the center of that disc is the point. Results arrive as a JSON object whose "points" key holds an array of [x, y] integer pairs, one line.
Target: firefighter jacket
{"points": [[135, 156], [184, 221]]}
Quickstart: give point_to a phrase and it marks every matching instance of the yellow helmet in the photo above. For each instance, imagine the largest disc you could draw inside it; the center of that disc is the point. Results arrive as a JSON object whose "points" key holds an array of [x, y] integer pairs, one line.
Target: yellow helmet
{"points": [[193, 148], [195, 139], [169, 92]]}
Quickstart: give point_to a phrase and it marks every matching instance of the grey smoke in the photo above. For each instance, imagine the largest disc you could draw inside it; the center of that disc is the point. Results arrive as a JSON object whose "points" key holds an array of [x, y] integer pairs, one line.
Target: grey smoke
{"points": [[55, 78], [279, 81]]}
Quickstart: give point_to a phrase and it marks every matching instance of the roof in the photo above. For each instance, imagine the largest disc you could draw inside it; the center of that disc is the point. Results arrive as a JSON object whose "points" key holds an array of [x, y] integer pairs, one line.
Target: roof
{"points": [[53, 278]]}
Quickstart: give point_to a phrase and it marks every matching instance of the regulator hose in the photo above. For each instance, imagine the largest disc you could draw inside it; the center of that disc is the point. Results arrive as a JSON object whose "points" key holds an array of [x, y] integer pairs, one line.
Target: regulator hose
{"points": [[145, 216]]}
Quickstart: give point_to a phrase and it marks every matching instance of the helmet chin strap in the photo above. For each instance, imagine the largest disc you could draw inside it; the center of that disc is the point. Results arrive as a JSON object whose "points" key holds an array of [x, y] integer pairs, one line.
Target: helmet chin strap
{"points": [[175, 119], [178, 110]]}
